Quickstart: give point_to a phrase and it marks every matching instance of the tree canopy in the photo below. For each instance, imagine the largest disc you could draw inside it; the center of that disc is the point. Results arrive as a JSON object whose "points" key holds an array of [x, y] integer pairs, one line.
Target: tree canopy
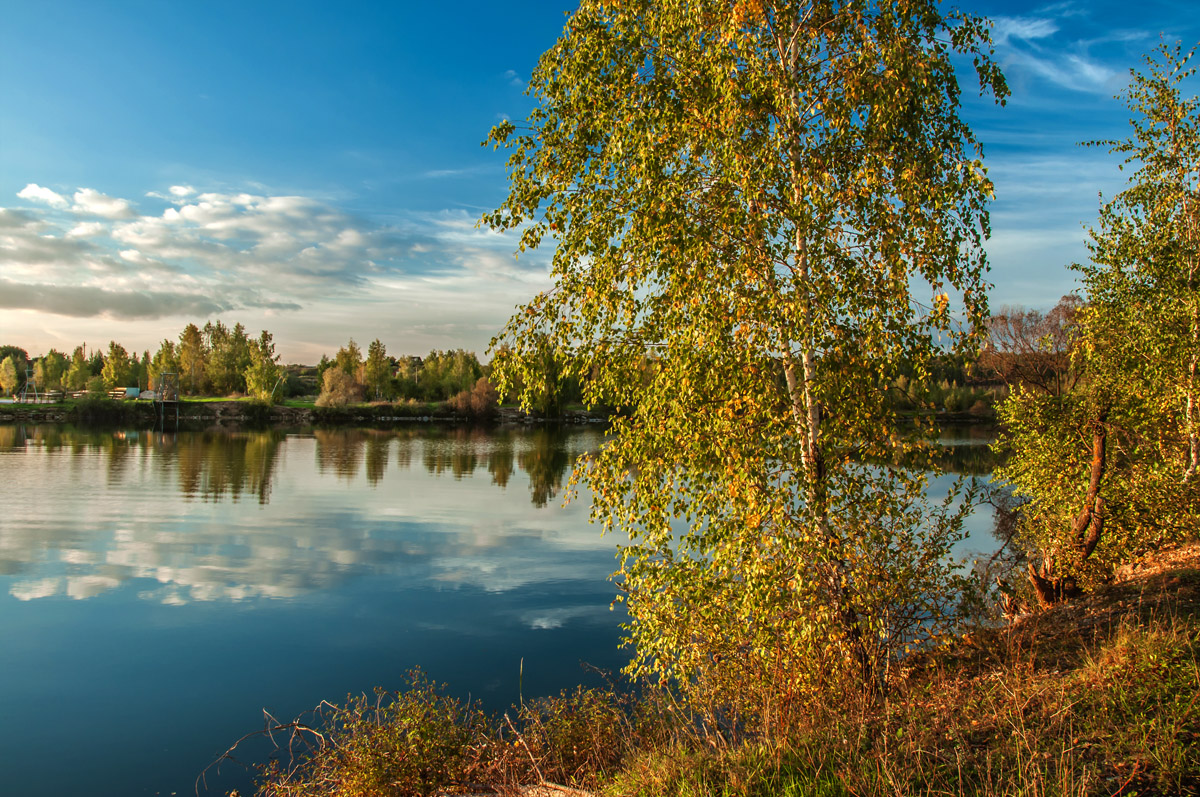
{"points": [[1110, 466], [762, 212]]}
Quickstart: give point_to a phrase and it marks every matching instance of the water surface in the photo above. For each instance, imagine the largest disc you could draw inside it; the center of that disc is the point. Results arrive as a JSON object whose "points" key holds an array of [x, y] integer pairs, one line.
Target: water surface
{"points": [[157, 591]]}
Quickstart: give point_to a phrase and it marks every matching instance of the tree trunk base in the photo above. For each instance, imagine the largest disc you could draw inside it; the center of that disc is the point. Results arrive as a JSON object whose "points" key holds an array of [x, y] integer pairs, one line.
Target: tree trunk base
{"points": [[1051, 589]]}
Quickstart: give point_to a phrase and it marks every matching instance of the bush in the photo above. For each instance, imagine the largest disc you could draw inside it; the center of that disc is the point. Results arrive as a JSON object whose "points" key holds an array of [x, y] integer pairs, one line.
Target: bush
{"points": [[99, 410], [340, 389], [578, 738], [97, 387], [415, 742], [482, 401], [982, 409], [421, 741]]}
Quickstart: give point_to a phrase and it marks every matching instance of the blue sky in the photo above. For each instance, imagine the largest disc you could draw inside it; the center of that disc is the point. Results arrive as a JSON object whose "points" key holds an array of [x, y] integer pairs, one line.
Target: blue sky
{"points": [[315, 169]]}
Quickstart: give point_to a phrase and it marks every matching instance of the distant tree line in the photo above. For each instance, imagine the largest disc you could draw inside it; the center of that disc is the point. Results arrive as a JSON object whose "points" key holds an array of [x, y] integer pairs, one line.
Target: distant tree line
{"points": [[212, 360], [220, 360], [454, 376]]}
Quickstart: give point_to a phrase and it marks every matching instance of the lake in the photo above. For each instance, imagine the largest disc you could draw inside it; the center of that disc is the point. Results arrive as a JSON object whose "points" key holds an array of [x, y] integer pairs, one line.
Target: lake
{"points": [[159, 591]]}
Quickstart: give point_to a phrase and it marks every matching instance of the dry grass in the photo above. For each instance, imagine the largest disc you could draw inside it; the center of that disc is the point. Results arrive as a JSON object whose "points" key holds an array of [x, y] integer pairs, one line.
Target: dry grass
{"points": [[1096, 697]]}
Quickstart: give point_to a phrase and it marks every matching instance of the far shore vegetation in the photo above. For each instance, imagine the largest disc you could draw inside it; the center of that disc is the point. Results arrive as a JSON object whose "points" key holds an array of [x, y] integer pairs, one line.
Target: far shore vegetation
{"points": [[219, 363]]}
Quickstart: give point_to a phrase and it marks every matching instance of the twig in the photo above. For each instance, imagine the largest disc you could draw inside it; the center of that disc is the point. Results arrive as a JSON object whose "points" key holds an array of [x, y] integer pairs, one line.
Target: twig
{"points": [[521, 739], [297, 728]]}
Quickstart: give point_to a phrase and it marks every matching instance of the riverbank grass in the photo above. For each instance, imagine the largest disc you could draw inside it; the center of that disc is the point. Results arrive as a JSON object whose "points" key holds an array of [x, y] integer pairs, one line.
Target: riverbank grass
{"points": [[1097, 697]]}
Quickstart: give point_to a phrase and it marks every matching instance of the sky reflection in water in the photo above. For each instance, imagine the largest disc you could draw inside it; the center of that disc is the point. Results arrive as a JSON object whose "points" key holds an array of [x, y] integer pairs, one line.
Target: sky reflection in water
{"points": [[159, 590], [102, 510]]}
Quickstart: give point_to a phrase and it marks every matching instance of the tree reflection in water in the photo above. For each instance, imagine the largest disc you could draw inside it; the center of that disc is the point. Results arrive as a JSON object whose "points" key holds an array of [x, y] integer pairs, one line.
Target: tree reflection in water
{"points": [[377, 456], [545, 460], [211, 465], [219, 463], [124, 519], [340, 451]]}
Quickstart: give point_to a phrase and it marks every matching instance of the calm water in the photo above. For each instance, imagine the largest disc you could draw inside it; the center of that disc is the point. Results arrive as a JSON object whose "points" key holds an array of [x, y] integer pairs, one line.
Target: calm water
{"points": [[159, 591]]}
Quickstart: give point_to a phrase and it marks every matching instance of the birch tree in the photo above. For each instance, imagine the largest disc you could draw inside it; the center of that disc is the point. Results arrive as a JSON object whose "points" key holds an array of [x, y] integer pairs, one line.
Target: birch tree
{"points": [[760, 213], [1146, 250], [377, 370]]}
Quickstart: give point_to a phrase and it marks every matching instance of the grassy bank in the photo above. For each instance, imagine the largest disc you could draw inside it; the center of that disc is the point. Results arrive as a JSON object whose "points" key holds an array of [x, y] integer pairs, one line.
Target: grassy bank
{"points": [[1096, 697]]}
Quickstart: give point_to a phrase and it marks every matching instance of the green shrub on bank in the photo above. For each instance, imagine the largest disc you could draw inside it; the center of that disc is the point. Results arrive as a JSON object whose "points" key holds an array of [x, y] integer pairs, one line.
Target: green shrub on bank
{"points": [[421, 741], [378, 412], [413, 742]]}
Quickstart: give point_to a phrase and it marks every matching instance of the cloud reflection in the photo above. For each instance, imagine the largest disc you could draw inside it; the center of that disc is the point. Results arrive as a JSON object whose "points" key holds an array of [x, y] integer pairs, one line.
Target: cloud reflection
{"points": [[165, 515]]}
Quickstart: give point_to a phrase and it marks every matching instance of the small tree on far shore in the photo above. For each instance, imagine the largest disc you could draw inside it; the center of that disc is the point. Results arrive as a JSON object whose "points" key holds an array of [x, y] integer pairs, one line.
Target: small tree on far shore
{"points": [[481, 401], [377, 371], [8, 375], [50, 370], [339, 389], [263, 372]]}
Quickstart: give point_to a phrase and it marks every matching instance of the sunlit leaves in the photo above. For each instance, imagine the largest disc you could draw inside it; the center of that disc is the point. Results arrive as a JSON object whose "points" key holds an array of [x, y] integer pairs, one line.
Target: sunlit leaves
{"points": [[751, 204], [1136, 353]]}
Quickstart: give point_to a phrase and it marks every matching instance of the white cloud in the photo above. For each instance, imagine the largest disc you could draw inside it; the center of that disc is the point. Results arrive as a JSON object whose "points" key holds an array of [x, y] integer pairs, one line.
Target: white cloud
{"points": [[36, 193], [1024, 28], [1090, 72], [86, 229], [1073, 72], [422, 280], [182, 190], [93, 203], [133, 256], [33, 590], [1043, 46], [84, 587]]}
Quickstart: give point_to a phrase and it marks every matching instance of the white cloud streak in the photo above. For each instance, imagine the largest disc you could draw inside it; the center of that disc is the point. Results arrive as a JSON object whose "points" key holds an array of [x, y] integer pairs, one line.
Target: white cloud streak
{"points": [[1040, 45], [1023, 28]]}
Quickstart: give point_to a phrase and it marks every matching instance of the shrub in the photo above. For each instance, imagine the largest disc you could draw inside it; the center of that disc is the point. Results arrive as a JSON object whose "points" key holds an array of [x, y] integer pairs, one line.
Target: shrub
{"points": [[339, 389], [981, 409], [415, 742], [579, 737], [482, 401], [96, 386]]}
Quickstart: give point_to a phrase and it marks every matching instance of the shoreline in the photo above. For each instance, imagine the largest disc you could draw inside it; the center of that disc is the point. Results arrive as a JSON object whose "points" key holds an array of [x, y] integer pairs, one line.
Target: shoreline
{"points": [[234, 412], [255, 414]]}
